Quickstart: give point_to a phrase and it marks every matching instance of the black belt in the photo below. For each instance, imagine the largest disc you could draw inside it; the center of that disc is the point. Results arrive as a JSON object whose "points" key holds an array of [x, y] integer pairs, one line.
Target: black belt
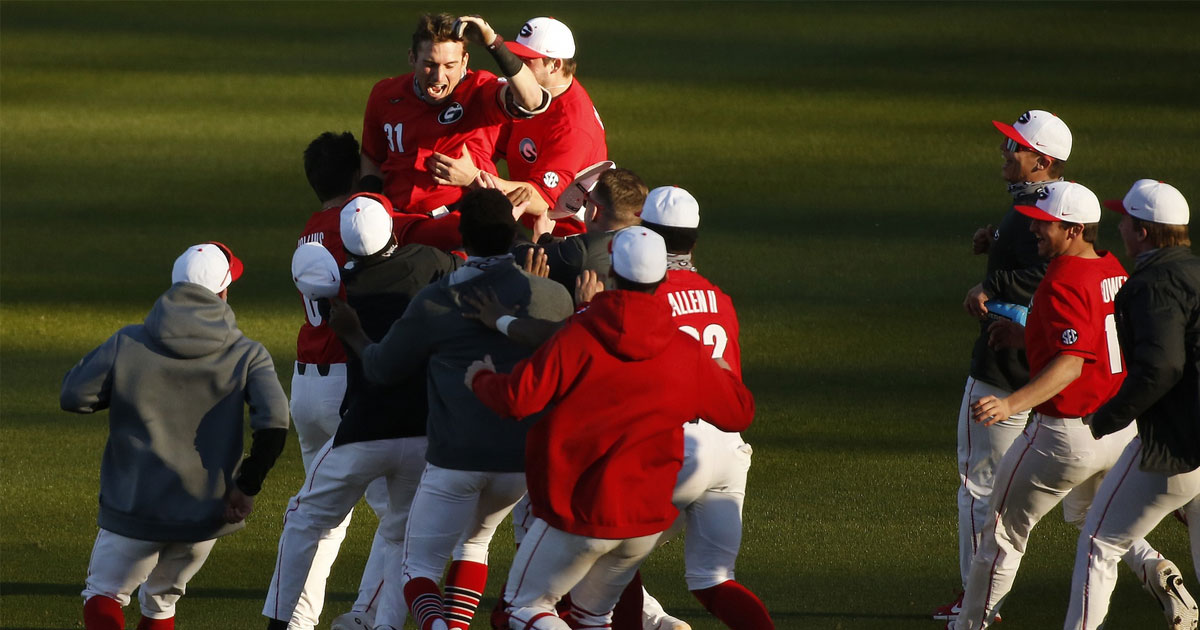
{"points": [[322, 368]]}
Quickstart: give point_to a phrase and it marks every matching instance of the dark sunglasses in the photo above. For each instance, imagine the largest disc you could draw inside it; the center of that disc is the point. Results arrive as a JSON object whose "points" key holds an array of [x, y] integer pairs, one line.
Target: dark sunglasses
{"points": [[1012, 146]]}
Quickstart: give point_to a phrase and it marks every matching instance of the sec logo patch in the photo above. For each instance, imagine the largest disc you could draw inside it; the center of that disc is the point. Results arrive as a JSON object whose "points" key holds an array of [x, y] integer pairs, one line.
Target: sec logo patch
{"points": [[451, 114], [528, 150], [1069, 336], [550, 179]]}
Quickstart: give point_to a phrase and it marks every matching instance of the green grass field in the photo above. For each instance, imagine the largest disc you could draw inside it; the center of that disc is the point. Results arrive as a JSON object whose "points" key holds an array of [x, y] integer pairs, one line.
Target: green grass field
{"points": [[842, 154]]}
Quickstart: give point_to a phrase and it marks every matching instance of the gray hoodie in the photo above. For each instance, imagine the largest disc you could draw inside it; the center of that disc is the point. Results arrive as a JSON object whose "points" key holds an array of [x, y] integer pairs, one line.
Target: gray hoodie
{"points": [[175, 387]]}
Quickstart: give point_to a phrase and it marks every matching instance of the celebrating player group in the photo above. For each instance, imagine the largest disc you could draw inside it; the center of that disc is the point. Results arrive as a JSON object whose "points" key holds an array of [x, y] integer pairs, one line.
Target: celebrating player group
{"points": [[1092, 400], [578, 374]]}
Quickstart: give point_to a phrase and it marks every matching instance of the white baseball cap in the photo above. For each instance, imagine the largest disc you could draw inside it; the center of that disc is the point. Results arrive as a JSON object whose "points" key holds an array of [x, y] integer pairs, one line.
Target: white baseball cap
{"points": [[315, 271], [366, 224], [639, 255], [211, 265], [1064, 201], [671, 206], [1154, 201], [573, 201], [544, 37], [1039, 130]]}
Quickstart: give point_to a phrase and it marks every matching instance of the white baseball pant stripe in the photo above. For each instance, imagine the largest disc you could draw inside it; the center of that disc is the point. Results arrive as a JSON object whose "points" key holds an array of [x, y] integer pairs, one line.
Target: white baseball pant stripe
{"points": [[1129, 504], [120, 564], [315, 405], [551, 563], [980, 449], [1055, 459], [455, 513], [336, 481], [522, 519]]}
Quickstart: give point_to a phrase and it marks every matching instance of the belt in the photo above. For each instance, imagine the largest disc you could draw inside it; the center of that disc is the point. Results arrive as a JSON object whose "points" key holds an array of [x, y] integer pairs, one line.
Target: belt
{"points": [[322, 368]]}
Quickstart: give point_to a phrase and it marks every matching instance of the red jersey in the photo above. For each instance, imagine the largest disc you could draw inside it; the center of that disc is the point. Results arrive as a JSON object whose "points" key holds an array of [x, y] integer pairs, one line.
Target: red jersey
{"points": [[617, 384], [1072, 313], [549, 149], [316, 343], [703, 311], [401, 131]]}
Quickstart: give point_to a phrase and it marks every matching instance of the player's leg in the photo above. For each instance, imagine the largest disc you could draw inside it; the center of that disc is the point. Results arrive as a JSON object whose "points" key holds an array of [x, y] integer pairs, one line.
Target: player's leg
{"points": [[467, 577], [596, 594], [522, 519], [1128, 505], [167, 582], [117, 566], [370, 586], [408, 463], [548, 565]]}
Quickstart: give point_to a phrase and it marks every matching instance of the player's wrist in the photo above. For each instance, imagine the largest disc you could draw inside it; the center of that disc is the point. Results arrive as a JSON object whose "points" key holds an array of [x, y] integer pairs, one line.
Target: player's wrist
{"points": [[509, 63], [503, 322]]}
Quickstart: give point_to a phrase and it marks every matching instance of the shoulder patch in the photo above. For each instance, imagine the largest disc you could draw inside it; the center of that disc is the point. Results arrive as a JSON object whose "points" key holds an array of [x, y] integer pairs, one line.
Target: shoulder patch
{"points": [[451, 114], [1069, 336], [550, 179]]}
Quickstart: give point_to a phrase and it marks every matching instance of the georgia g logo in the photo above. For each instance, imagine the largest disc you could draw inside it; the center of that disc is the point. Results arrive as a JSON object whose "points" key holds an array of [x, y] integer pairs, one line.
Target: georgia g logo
{"points": [[1069, 336], [528, 150], [1025, 118], [451, 114], [526, 30]]}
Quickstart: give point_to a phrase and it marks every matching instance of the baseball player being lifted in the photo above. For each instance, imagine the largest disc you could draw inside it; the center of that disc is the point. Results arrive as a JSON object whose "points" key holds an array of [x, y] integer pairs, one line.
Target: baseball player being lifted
{"points": [[1158, 323], [1076, 366]]}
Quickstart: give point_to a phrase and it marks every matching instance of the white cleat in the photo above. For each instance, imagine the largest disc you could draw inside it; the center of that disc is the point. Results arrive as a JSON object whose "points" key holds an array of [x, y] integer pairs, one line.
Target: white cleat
{"points": [[665, 622], [1177, 604], [352, 621]]}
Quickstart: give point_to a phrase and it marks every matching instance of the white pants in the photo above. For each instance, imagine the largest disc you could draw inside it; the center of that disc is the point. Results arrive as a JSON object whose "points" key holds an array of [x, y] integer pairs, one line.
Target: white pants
{"points": [[980, 449], [1129, 504], [315, 405], [551, 563], [162, 570], [336, 480], [1055, 459]]}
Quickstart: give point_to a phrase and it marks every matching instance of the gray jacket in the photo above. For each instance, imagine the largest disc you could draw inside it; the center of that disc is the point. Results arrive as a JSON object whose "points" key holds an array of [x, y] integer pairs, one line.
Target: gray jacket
{"points": [[463, 433], [175, 387]]}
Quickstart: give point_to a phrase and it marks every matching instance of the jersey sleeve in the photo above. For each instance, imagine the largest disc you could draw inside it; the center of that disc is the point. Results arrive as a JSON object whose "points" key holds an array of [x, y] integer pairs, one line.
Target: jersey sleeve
{"points": [[87, 387], [534, 382], [723, 400], [563, 155], [1071, 326]]}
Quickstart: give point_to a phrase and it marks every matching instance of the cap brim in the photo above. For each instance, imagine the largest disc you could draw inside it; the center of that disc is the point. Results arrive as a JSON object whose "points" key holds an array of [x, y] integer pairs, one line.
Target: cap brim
{"points": [[235, 263], [523, 51], [1035, 212], [1011, 132], [1116, 205]]}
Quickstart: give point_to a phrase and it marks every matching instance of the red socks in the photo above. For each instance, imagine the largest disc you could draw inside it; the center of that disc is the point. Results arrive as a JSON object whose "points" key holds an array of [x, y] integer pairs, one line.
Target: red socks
{"points": [[156, 624], [736, 606], [103, 613], [424, 600], [464, 588]]}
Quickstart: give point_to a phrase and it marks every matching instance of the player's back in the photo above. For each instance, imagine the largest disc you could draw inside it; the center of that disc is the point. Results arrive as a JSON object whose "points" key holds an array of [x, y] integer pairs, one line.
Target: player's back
{"points": [[703, 311], [316, 343]]}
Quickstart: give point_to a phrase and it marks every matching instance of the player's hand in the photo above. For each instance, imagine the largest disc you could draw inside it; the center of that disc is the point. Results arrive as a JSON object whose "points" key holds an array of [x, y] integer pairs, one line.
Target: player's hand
{"points": [[974, 302], [487, 180], [237, 506], [477, 367], [1003, 335], [537, 262], [989, 410], [451, 171], [474, 28], [587, 285], [343, 319], [982, 241], [486, 306], [543, 224]]}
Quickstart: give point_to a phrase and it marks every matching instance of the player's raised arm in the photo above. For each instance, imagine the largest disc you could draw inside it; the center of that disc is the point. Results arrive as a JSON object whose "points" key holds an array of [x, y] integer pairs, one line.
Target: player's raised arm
{"points": [[527, 94]]}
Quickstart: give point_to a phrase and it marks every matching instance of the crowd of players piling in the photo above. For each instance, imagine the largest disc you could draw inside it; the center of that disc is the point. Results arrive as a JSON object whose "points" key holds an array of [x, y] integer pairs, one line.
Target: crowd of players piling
{"points": [[473, 346], [1084, 387]]}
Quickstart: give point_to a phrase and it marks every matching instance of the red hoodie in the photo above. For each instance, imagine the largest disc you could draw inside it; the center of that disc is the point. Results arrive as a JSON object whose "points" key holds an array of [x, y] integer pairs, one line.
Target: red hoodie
{"points": [[618, 383]]}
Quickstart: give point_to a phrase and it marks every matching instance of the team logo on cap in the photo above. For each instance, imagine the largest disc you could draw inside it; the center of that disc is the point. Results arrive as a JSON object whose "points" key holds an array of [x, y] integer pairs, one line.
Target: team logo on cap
{"points": [[528, 150], [1069, 336], [1041, 193], [1024, 118], [451, 114], [550, 179], [526, 30]]}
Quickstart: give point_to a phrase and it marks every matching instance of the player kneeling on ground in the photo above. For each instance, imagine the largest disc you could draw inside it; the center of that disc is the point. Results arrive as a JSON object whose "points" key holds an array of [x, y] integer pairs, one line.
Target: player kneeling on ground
{"points": [[175, 387]]}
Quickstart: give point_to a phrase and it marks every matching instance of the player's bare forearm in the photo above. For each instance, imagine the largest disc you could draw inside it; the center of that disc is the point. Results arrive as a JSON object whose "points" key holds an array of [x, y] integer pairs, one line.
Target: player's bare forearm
{"points": [[1055, 377], [526, 91]]}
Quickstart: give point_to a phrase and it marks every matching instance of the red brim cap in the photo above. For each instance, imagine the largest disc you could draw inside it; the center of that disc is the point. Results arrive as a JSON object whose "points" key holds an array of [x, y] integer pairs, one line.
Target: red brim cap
{"points": [[1011, 132], [1116, 205], [235, 264], [1035, 212], [523, 51]]}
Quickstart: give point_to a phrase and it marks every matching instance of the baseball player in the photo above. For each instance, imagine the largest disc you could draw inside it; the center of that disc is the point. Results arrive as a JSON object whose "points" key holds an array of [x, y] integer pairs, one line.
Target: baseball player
{"points": [[382, 432], [442, 107], [475, 470], [1076, 366], [591, 533], [331, 164], [173, 479], [1035, 150], [1158, 323], [544, 153]]}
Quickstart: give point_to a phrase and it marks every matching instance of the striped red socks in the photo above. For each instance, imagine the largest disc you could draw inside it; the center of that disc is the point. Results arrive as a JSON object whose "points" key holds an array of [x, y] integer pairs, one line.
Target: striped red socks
{"points": [[465, 583], [425, 601]]}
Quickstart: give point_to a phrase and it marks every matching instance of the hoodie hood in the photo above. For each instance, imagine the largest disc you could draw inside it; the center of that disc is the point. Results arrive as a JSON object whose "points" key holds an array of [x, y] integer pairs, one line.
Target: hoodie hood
{"points": [[630, 325], [191, 321]]}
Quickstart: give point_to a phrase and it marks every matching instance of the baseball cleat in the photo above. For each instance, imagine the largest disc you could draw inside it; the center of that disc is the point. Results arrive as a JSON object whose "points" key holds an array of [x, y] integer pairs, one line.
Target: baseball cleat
{"points": [[665, 622], [351, 621], [1177, 604], [949, 611]]}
